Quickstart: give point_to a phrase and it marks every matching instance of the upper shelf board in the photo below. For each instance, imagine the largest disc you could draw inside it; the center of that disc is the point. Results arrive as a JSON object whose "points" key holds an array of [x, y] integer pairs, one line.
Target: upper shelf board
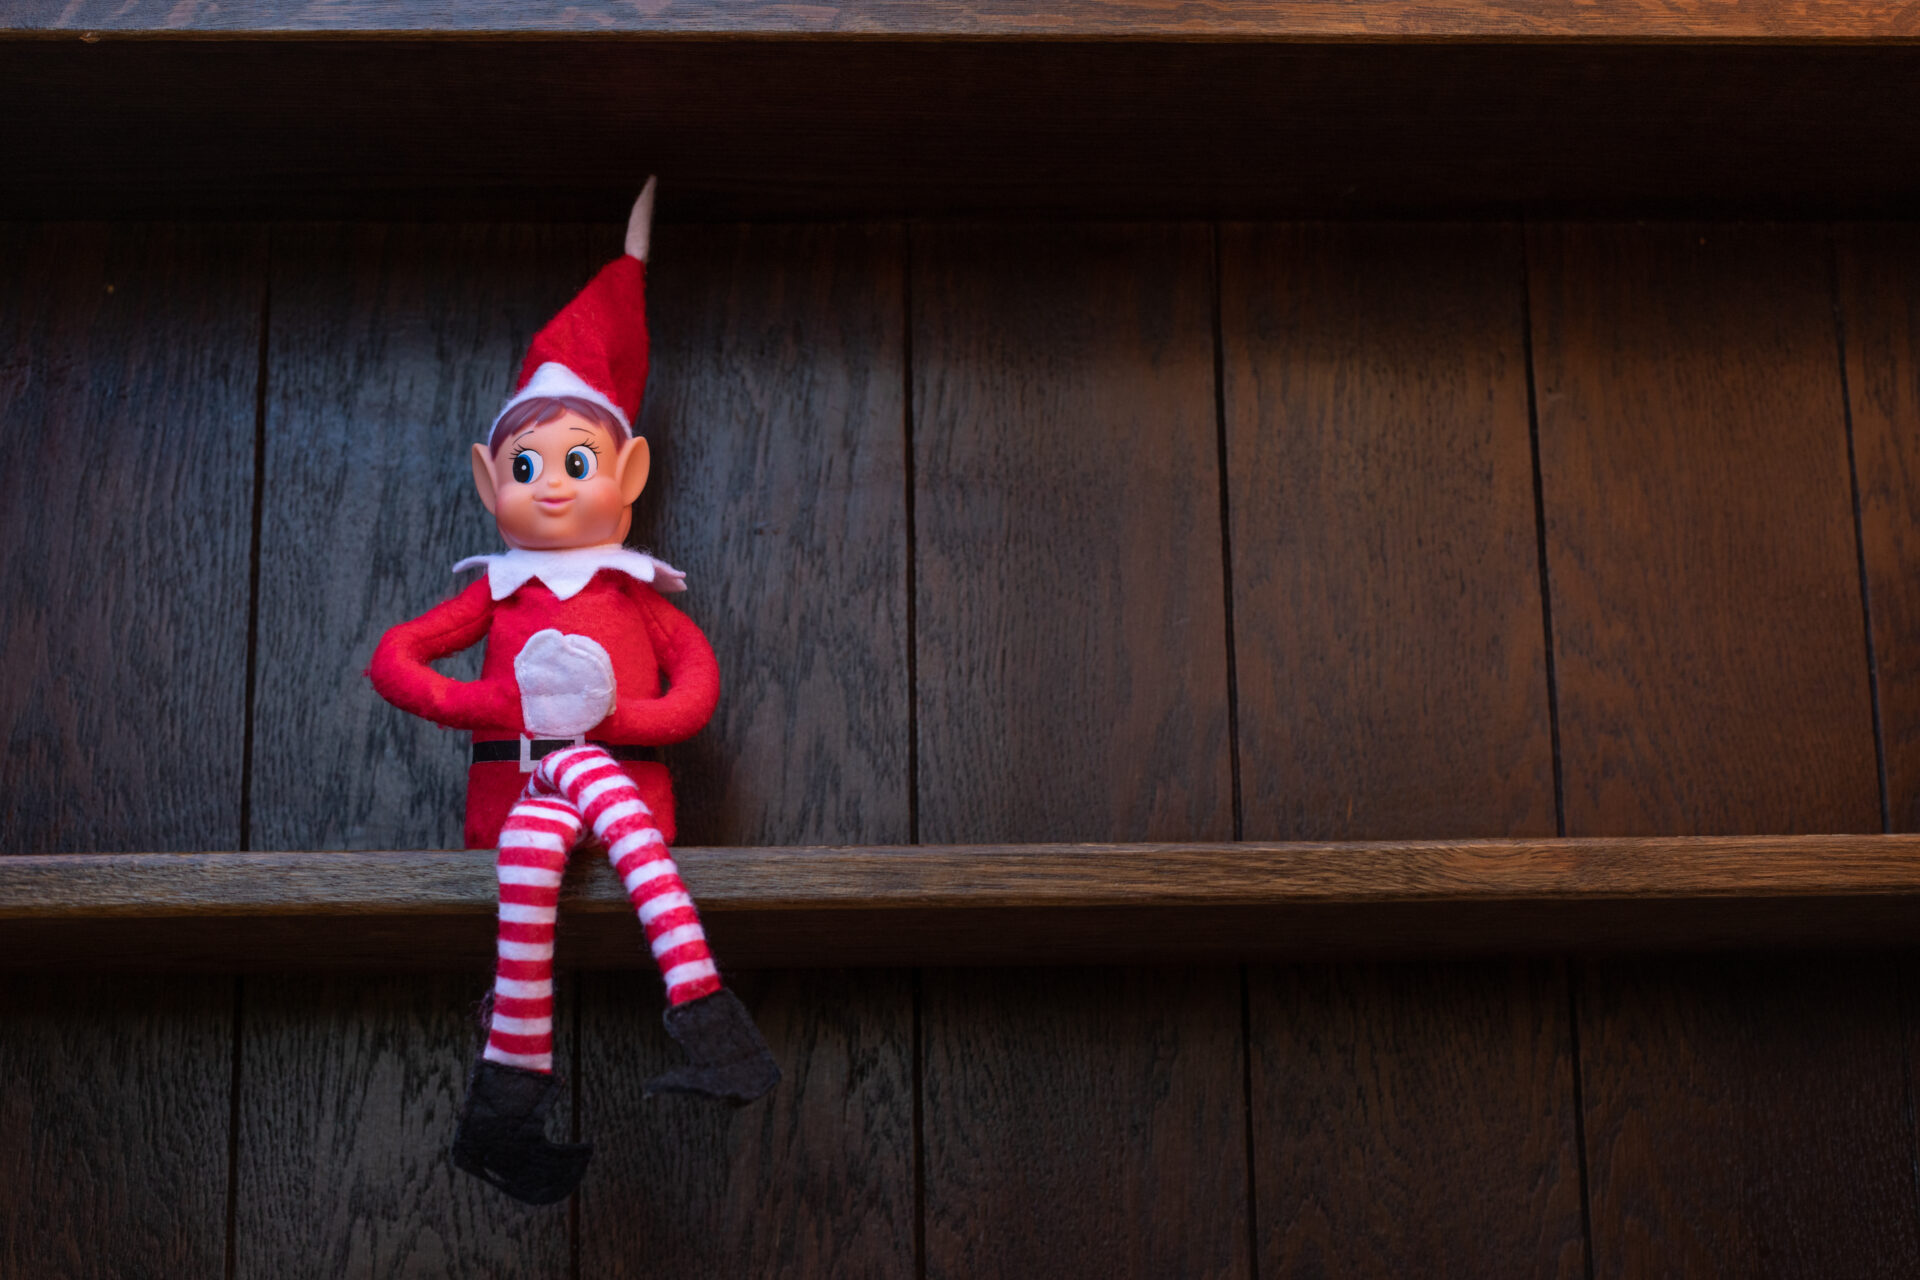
{"points": [[1631, 20]]}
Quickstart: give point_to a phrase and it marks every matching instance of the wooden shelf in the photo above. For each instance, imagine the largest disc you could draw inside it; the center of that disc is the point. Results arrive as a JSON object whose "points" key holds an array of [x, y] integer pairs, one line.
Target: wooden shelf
{"points": [[1750, 20], [983, 905], [295, 109]]}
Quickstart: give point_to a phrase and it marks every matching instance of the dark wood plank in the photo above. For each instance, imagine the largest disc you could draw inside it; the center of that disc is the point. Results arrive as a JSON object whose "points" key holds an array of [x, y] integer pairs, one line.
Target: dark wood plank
{"points": [[391, 348], [808, 127], [1193, 19], [113, 1131], [132, 355], [776, 416], [1711, 664], [1072, 685], [349, 1088], [1749, 1116], [1415, 1120], [1084, 1122], [1391, 657], [1878, 267], [1072, 666], [816, 1179], [1708, 633], [1391, 665]]}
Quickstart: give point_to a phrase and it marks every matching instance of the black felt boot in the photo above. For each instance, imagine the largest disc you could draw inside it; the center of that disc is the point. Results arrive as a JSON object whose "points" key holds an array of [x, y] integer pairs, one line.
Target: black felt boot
{"points": [[501, 1137], [730, 1059]]}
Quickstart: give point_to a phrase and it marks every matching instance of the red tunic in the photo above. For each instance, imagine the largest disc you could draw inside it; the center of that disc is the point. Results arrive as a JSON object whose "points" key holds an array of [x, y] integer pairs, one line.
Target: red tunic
{"points": [[648, 640]]}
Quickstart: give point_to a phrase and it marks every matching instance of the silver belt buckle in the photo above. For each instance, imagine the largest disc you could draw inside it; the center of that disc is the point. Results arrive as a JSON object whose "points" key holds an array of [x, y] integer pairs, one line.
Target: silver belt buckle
{"points": [[528, 764]]}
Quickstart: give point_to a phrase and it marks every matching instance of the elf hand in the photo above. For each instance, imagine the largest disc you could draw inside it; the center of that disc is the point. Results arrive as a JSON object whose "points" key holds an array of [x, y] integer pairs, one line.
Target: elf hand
{"points": [[566, 684]]}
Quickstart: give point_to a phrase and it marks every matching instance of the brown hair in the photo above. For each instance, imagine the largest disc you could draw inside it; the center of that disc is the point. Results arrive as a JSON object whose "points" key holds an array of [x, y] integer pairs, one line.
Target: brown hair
{"points": [[544, 409]]}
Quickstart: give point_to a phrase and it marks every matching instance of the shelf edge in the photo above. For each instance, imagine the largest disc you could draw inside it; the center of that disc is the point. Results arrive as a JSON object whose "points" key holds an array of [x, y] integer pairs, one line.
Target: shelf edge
{"points": [[928, 877], [1402, 20]]}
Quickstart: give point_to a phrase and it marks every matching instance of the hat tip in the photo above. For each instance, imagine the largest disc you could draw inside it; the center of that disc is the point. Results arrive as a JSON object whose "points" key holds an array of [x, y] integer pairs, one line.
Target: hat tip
{"points": [[640, 222]]}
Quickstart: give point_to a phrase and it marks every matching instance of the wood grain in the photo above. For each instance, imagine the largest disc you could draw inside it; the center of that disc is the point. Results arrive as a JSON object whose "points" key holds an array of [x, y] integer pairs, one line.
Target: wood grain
{"points": [[1800, 20], [823, 128], [391, 347], [1084, 1123], [1072, 685], [1706, 600], [349, 1089], [131, 354], [1749, 1115], [947, 905], [1391, 662], [1878, 265], [128, 407], [776, 415], [816, 1179], [889, 878], [1391, 675], [1071, 661], [113, 1126], [1415, 1119], [1712, 677]]}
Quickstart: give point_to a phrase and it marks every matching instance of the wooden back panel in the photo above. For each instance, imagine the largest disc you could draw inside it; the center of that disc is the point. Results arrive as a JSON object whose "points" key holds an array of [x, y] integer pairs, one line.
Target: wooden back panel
{"points": [[1392, 675], [1072, 684], [954, 502], [128, 409], [1712, 676]]}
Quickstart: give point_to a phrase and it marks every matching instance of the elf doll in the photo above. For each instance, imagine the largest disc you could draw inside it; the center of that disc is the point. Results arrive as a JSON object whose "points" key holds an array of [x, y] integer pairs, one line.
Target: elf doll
{"points": [[588, 669]]}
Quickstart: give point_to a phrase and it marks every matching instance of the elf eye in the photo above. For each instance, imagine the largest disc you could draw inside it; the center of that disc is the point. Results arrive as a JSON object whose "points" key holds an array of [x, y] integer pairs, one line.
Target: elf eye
{"points": [[526, 466], [581, 462]]}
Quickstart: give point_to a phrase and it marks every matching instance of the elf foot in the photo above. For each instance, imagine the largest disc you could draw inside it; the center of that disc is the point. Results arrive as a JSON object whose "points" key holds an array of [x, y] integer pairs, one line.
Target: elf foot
{"points": [[729, 1058], [501, 1137]]}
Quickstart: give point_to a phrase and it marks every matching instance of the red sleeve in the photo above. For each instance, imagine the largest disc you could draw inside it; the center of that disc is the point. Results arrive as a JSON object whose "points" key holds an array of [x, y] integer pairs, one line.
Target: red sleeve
{"points": [[400, 673], [692, 674]]}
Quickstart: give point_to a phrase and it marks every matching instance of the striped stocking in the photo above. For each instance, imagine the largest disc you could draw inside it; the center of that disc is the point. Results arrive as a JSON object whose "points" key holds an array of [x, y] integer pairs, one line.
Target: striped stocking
{"points": [[533, 854], [572, 786]]}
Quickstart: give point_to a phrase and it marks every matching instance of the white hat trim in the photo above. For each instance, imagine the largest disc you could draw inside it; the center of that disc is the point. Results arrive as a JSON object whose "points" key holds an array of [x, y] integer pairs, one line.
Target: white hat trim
{"points": [[552, 380]]}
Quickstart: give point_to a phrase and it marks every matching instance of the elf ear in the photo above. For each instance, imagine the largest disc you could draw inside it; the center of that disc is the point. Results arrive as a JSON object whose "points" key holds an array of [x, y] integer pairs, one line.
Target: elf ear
{"points": [[634, 463], [483, 477]]}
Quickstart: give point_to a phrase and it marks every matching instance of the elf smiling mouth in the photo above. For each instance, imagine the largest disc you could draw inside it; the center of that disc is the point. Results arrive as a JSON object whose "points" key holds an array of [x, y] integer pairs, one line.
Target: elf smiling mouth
{"points": [[553, 506]]}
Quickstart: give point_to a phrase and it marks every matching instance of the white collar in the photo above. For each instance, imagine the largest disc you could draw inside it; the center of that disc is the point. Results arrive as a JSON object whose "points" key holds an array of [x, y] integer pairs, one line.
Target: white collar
{"points": [[566, 572]]}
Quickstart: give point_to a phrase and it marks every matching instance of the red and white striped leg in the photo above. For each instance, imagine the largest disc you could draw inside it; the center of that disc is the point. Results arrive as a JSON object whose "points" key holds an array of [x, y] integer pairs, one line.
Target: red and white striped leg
{"points": [[600, 789], [534, 843]]}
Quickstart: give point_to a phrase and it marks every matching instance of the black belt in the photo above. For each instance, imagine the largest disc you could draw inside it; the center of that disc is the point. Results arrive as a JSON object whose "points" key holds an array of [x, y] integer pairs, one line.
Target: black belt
{"points": [[539, 748]]}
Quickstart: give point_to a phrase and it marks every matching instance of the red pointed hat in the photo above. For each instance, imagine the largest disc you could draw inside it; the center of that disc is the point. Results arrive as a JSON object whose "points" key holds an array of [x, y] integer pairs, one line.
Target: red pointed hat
{"points": [[596, 348]]}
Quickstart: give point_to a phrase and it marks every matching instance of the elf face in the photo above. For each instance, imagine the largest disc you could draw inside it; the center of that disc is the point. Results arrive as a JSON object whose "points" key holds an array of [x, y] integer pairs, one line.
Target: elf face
{"points": [[568, 482]]}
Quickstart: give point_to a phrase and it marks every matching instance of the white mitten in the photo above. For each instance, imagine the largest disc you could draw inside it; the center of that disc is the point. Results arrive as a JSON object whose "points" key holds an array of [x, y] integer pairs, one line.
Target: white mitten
{"points": [[566, 684]]}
